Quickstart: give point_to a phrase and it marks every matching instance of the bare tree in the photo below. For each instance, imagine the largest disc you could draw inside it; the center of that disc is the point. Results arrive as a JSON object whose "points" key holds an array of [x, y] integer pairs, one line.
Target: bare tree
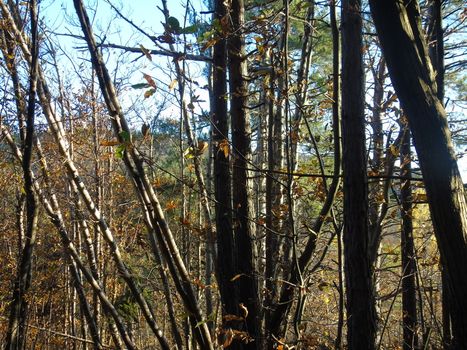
{"points": [[19, 307], [409, 302], [403, 45], [157, 226], [361, 314], [226, 265], [241, 183]]}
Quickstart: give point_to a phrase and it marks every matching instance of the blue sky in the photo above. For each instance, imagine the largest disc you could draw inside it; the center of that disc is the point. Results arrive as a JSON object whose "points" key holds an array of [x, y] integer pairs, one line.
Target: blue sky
{"points": [[59, 16]]}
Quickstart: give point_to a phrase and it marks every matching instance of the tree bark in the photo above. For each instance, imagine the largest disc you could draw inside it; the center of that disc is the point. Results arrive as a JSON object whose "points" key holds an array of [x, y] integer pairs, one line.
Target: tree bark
{"points": [[361, 315], [436, 47], [412, 76], [241, 187], [409, 300], [222, 175], [436, 53], [16, 333]]}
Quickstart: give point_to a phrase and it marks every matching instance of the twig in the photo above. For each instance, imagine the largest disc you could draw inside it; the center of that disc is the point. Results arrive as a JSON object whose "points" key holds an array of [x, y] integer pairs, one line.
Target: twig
{"points": [[60, 334]]}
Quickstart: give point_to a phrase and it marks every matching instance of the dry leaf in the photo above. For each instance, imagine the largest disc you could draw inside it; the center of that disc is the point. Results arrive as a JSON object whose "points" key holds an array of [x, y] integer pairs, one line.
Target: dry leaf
{"points": [[224, 146], [171, 205], [109, 143], [145, 129], [236, 277], [150, 80], [202, 146], [394, 150], [208, 44], [146, 52], [149, 93], [244, 310], [157, 182], [229, 336], [230, 317], [172, 84]]}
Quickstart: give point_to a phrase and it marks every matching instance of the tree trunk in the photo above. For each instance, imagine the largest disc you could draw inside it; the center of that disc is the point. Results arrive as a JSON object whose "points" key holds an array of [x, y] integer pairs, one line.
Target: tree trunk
{"points": [[222, 176], [361, 315], [436, 52], [336, 112], [16, 333], [273, 199], [436, 47], [409, 300], [241, 187], [412, 76]]}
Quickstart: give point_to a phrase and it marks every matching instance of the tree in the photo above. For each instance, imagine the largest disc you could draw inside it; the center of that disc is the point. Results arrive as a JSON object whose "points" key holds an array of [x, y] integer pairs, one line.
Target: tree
{"points": [[409, 304], [157, 226], [361, 314], [226, 266], [403, 45], [241, 184], [16, 335], [124, 191]]}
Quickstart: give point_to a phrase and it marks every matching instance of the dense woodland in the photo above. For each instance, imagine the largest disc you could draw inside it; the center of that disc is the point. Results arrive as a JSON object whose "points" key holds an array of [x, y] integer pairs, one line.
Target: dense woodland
{"points": [[242, 174]]}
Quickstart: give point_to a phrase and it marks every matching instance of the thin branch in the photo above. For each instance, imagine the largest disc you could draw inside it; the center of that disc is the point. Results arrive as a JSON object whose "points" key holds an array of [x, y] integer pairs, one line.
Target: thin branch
{"points": [[63, 335], [174, 54]]}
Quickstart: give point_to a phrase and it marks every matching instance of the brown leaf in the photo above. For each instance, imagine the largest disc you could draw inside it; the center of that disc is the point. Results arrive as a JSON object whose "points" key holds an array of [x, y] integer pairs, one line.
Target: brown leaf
{"points": [[171, 205], [208, 44], [166, 38], [230, 317], [145, 129], [149, 93], [236, 277], [229, 336], [146, 52], [185, 221], [157, 183], [109, 142], [224, 146], [394, 150], [202, 146], [225, 23], [198, 283], [150, 80]]}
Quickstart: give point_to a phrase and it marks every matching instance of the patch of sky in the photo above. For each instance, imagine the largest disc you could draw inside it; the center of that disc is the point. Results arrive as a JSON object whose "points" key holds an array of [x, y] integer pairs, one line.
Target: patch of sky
{"points": [[134, 25]]}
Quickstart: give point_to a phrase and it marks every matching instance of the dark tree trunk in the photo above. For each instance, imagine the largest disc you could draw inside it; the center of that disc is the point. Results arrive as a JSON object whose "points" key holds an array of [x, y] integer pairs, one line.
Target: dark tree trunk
{"points": [[222, 176], [406, 55], [376, 192], [336, 116], [273, 200], [242, 205], [361, 315], [274, 197], [436, 52], [409, 301], [436, 47], [16, 333]]}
